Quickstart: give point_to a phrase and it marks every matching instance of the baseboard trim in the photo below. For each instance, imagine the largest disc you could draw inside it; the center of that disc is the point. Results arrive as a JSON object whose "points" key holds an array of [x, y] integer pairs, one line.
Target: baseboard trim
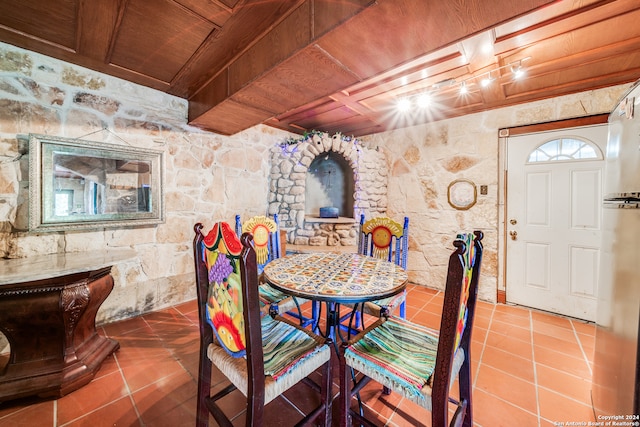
{"points": [[502, 296]]}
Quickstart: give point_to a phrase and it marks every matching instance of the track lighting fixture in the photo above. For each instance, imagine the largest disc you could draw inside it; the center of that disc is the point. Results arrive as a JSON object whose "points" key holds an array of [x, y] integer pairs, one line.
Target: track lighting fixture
{"points": [[517, 70], [463, 88], [487, 80], [424, 100]]}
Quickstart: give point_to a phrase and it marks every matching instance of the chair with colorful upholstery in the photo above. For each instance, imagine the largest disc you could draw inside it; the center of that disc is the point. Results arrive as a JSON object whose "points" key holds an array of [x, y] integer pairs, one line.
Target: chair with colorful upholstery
{"points": [[266, 241], [262, 356], [416, 362], [382, 237]]}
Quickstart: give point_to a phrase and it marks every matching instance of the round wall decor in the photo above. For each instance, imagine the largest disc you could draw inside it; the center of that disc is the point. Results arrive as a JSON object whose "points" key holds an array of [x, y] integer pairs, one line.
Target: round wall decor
{"points": [[462, 194]]}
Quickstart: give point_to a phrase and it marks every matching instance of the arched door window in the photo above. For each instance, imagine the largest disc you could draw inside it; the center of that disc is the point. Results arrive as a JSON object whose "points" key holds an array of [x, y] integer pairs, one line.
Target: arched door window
{"points": [[565, 149]]}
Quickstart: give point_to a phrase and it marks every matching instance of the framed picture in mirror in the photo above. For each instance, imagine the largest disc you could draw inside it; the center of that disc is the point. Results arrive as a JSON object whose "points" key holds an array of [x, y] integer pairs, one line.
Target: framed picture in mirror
{"points": [[76, 184]]}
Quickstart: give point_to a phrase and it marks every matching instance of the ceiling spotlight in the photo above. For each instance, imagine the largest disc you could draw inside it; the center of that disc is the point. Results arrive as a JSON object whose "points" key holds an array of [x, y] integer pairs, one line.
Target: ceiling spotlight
{"points": [[423, 100], [404, 104], [517, 70], [487, 80], [463, 88]]}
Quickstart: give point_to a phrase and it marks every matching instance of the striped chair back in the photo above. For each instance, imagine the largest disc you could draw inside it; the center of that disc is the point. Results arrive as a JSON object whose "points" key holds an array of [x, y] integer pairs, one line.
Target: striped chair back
{"points": [[384, 238]]}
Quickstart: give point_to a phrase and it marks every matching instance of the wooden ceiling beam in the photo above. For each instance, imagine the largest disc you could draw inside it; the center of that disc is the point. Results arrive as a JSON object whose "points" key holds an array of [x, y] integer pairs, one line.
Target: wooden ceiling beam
{"points": [[368, 59], [267, 66]]}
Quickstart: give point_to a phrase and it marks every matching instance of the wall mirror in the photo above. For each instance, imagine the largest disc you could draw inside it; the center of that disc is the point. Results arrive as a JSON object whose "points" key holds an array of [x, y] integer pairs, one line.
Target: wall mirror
{"points": [[75, 184]]}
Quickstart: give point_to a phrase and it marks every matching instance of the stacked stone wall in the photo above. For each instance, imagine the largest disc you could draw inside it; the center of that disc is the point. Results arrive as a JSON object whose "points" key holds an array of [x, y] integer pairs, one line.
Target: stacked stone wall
{"points": [[208, 177], [290, 162]]}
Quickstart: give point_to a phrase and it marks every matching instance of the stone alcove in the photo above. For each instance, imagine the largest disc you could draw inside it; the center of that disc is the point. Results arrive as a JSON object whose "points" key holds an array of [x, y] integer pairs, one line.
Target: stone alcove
{"points": [[329, 183], [290, 164]]}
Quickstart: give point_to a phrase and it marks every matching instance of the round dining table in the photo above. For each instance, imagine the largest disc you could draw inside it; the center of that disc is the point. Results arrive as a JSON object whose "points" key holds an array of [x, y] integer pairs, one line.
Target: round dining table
{"points": [[335, 278]]}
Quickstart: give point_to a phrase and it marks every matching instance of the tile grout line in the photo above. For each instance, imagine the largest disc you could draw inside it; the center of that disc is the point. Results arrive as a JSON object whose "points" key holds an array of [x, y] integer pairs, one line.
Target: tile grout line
{"points": [[126, 394], [484, 345], [584, 354], [535, 371], [126, 384]]}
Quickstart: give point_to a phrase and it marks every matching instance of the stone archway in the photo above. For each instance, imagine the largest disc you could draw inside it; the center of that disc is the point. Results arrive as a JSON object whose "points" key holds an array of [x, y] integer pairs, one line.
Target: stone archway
{"points": [[290, 163]]}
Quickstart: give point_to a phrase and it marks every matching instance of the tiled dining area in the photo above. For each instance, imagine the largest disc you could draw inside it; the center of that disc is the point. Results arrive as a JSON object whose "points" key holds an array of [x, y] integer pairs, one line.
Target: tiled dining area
{"points": [[530, 369]]}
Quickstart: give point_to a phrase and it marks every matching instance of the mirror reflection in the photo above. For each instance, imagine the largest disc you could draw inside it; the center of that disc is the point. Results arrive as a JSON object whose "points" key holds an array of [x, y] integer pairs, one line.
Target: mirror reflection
{"points": [[87, 185]]}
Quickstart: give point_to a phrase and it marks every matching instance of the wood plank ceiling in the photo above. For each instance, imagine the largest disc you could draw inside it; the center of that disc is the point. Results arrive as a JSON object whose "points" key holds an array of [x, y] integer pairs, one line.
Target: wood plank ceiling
{"points": [[337, 65]]}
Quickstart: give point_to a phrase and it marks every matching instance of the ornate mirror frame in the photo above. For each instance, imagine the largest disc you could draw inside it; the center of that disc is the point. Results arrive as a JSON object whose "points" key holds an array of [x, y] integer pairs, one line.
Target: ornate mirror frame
{"points": [[80, 185]]}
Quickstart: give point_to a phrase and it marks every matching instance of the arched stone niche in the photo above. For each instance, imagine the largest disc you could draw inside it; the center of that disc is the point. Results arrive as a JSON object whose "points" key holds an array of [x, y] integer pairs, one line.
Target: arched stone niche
{"points": [[329, 183], [290, 163]]}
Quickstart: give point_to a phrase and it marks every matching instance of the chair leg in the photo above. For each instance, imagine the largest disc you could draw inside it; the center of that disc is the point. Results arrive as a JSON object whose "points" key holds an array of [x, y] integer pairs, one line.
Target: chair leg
{"points": [[464, 381], [345, 390], [403, 310], [439, 410], [204, 390], [255, 407], [327, 382], [315, 310]]}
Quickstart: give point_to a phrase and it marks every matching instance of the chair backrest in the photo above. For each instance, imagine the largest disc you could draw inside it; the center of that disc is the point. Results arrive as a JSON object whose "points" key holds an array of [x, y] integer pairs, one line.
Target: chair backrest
{"points": [[384, 238], [459, 304], [227, 288], [266, 237]]}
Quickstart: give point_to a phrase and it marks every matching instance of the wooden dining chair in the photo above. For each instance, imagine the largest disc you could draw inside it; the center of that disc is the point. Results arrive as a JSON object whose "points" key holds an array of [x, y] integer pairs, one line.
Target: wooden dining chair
{"points": [[385, 238], [262, 356], [266, 241], [419, 363]]}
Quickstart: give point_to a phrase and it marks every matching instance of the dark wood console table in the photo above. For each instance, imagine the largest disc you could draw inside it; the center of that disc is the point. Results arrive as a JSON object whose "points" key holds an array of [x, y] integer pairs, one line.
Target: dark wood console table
{"points": [[48, 306]]}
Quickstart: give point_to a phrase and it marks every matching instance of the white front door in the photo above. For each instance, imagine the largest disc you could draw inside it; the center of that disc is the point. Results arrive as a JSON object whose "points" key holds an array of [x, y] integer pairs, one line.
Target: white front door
{"points": [[554, 214]]}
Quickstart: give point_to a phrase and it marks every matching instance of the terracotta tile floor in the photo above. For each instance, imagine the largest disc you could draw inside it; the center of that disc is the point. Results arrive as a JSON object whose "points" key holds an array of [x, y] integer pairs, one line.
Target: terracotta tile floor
{"points": [[530, 369]]}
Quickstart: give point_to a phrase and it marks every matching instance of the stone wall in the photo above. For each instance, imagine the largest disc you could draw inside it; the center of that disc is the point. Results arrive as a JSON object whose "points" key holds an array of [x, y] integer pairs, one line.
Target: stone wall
{"points": [[208, 177], [424, 159], [290, 162], [211, 177]]}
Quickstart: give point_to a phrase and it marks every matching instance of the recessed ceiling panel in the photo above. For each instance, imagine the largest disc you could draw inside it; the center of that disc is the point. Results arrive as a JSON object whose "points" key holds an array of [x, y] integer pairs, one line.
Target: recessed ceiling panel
{"points": [[52, 20], [303, 78], [218, 13], [157, 37]]}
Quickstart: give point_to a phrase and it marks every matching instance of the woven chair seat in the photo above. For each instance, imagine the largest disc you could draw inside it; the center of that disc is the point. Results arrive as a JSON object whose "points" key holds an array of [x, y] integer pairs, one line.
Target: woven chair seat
{"points": [[290, 354], [402, 356]]}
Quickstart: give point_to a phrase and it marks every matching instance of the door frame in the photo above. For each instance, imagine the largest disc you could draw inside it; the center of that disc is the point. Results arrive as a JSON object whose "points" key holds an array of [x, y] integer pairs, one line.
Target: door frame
{"points": [[503, 135]]}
